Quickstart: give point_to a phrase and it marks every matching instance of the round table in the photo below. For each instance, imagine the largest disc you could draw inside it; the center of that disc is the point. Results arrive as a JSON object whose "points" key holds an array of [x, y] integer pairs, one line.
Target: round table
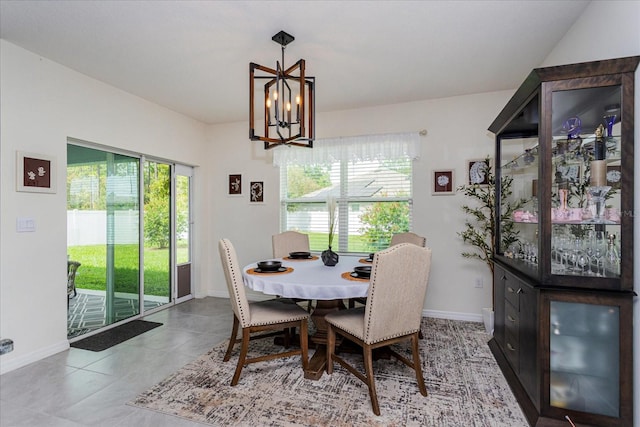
{"points": [[311, 279]]}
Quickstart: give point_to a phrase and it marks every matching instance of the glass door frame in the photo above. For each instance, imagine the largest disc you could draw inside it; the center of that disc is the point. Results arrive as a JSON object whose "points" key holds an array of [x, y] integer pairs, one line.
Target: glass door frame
{"points": [[185, 170]]}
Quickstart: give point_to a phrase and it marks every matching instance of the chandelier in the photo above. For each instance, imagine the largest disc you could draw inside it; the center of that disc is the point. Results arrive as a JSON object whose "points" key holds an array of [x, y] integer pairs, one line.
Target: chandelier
{"points": [[287, 104]]}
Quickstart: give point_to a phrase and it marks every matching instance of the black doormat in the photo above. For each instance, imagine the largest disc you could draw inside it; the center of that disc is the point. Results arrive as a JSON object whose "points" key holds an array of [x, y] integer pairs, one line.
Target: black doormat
{"points": [[106, 339]]}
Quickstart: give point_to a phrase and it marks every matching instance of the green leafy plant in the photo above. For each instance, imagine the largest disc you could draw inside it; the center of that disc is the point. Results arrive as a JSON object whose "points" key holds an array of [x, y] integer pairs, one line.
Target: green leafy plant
{"points": [[480, 227]]}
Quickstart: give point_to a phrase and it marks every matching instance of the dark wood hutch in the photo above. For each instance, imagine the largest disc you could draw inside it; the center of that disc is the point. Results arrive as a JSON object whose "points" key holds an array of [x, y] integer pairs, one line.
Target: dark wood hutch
{"points": [[563, 280]]}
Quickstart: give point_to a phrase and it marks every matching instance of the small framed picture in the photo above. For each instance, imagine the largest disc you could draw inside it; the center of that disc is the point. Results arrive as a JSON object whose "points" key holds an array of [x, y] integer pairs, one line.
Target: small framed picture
{"points": [[35, 173], [256, 192], [614, 177], [235, 185], [443, 182], [477, 172]]}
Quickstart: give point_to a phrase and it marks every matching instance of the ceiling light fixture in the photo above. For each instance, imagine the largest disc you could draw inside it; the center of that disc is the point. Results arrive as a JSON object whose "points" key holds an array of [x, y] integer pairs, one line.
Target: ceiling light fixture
{"points": [[288, 102]]}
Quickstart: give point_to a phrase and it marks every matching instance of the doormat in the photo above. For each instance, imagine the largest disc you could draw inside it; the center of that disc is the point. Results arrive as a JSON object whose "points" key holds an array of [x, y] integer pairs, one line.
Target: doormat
{"points": [[117, 335]]}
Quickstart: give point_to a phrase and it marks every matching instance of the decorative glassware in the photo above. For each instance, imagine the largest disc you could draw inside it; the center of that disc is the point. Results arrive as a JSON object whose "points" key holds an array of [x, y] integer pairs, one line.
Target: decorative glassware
{"points": [[597, 202]]}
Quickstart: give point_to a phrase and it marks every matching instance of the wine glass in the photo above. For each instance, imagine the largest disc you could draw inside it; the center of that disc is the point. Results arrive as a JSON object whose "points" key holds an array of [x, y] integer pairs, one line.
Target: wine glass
{"points": [[598, 255]]}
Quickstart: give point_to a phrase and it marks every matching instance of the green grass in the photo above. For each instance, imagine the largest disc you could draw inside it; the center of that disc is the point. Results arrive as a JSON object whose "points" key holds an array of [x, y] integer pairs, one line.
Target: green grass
{"points": [[320, 242], [93, 272]]}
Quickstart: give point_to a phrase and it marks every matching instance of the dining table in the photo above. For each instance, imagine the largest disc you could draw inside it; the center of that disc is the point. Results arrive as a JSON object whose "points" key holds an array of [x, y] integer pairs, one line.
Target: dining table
{"points": [[309, 279]]}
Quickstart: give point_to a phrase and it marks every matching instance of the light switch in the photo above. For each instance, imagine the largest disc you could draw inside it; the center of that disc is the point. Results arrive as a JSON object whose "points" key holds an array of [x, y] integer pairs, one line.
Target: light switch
{"points": [[25, 225]]}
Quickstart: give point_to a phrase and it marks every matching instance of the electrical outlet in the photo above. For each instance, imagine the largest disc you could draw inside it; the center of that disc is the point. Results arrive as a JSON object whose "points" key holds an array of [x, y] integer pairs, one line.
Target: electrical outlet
{"points": [[479, 282]]}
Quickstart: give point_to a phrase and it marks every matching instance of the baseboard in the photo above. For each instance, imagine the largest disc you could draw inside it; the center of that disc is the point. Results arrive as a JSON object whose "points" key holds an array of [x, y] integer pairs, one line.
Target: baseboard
{"points": [[453, 315], [20, 361], [438, 314]]}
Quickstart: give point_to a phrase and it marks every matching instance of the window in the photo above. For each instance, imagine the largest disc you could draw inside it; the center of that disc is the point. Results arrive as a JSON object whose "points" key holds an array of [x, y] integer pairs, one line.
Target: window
{"points": [[374, 192]]}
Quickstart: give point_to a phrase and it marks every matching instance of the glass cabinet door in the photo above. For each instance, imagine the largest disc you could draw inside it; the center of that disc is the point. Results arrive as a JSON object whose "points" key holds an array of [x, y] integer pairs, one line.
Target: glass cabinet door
{"points": [[584, 357], [518, 191], [585, 176]]}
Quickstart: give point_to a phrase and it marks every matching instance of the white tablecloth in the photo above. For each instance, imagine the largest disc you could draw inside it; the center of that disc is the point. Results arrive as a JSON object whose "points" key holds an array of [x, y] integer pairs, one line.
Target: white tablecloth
{"points": [[309, 280]]}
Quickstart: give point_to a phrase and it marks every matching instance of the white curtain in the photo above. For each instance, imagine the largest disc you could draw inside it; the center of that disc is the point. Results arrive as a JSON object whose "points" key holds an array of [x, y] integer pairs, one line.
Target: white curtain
{"points": [[351, 148]]}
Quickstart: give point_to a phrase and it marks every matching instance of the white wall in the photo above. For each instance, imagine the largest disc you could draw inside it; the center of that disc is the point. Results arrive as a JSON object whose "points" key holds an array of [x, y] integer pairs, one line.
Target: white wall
{"points": [[457, 131], [589, 39], [42, 104]]}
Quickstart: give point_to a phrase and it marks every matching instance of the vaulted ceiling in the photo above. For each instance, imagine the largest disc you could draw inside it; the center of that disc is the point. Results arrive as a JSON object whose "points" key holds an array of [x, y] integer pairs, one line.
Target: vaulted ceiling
{"points": [[193, 56]]}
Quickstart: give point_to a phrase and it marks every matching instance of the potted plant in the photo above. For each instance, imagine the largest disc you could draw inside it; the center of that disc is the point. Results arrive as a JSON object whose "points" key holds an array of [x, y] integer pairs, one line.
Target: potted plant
{"points": [[480, 227]]}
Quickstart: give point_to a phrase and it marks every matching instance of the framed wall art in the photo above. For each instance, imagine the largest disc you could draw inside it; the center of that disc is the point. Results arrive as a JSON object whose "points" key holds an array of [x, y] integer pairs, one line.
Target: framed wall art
{"points": [[443, 182], [256, 192], [477, 172], [235, 185], [35, 173], [614, 177]]}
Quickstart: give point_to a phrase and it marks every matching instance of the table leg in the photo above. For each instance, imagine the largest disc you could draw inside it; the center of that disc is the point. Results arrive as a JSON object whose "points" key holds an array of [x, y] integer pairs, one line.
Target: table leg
{"points": [[319, 338]]}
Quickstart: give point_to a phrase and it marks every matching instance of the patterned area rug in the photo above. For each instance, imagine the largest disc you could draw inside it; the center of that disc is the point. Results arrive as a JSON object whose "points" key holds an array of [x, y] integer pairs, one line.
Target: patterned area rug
{"points": [[465, 386]]}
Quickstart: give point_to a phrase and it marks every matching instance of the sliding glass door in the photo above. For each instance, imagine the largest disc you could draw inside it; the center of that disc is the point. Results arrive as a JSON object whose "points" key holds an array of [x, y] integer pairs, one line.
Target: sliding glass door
{"points": [[128, 224], [157, 227], [103, 235]]}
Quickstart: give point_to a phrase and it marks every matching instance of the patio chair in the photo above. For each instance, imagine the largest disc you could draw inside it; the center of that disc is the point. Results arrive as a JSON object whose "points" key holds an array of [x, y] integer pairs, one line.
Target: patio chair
{"points": [[72, 269]]}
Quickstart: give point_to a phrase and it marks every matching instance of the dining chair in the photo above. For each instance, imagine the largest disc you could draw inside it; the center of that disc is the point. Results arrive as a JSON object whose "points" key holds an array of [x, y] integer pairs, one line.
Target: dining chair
{"points": [[408, 238], [396, 239], [399, 279], [290, 241], [272, 315]]}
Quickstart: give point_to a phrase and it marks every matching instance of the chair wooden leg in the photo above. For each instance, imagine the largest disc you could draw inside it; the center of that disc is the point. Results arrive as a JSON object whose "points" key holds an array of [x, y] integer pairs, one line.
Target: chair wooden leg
{"points": [[331, 344], [232, 340], [417, 365], [352, 303], [304, 344], [243, 355], [368, 367]]}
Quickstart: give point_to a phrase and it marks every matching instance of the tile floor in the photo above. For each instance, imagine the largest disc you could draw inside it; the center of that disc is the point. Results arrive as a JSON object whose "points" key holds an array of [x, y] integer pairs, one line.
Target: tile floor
{"points": [[84, 388]]}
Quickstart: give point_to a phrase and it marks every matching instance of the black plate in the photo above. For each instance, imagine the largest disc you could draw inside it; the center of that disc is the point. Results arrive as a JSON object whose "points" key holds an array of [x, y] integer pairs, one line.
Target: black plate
{"points": [[265, 266], [280, 270], [300, 255], [357, 276]]}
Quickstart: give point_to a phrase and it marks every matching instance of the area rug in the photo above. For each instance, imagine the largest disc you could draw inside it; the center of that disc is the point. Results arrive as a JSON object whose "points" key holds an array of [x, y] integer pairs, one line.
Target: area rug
{"points": [[117, 335], [465, 386]]}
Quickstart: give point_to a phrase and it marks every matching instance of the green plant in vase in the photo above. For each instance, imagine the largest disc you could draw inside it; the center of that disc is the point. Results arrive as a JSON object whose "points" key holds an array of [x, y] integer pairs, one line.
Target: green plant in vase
{"points": [[480, 227]]}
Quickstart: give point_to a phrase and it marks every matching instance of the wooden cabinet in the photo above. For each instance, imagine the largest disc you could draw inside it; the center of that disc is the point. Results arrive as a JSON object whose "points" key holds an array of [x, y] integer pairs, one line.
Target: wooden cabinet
{"points": [[563, 278]]}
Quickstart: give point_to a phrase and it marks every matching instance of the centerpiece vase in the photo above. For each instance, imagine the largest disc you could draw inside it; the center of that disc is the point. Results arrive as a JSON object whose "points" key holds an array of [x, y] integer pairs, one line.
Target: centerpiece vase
{"points": [[329, 258]]}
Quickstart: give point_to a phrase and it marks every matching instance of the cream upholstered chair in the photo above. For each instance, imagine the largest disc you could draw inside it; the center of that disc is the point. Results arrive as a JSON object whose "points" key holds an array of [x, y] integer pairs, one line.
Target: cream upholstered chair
{"points": [[272, 315], [408, 238], [399, 278], [396, 239], [285, 243], [289, 241]]}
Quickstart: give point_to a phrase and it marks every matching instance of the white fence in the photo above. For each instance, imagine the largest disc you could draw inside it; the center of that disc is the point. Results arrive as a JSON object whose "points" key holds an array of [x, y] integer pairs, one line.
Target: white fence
{"points": [[90, 227]]}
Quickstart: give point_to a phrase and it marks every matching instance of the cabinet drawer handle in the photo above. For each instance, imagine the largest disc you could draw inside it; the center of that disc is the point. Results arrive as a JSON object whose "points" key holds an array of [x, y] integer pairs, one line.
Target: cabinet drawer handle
{"points": [[510, 347], [510, 289], [511, 319]]}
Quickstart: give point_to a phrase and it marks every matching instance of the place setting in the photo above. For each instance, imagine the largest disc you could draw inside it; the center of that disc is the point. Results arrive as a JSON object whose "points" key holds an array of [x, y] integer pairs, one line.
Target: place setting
{"points": [[269, 267], [367, 260], [359, 274], [300, 256]]}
